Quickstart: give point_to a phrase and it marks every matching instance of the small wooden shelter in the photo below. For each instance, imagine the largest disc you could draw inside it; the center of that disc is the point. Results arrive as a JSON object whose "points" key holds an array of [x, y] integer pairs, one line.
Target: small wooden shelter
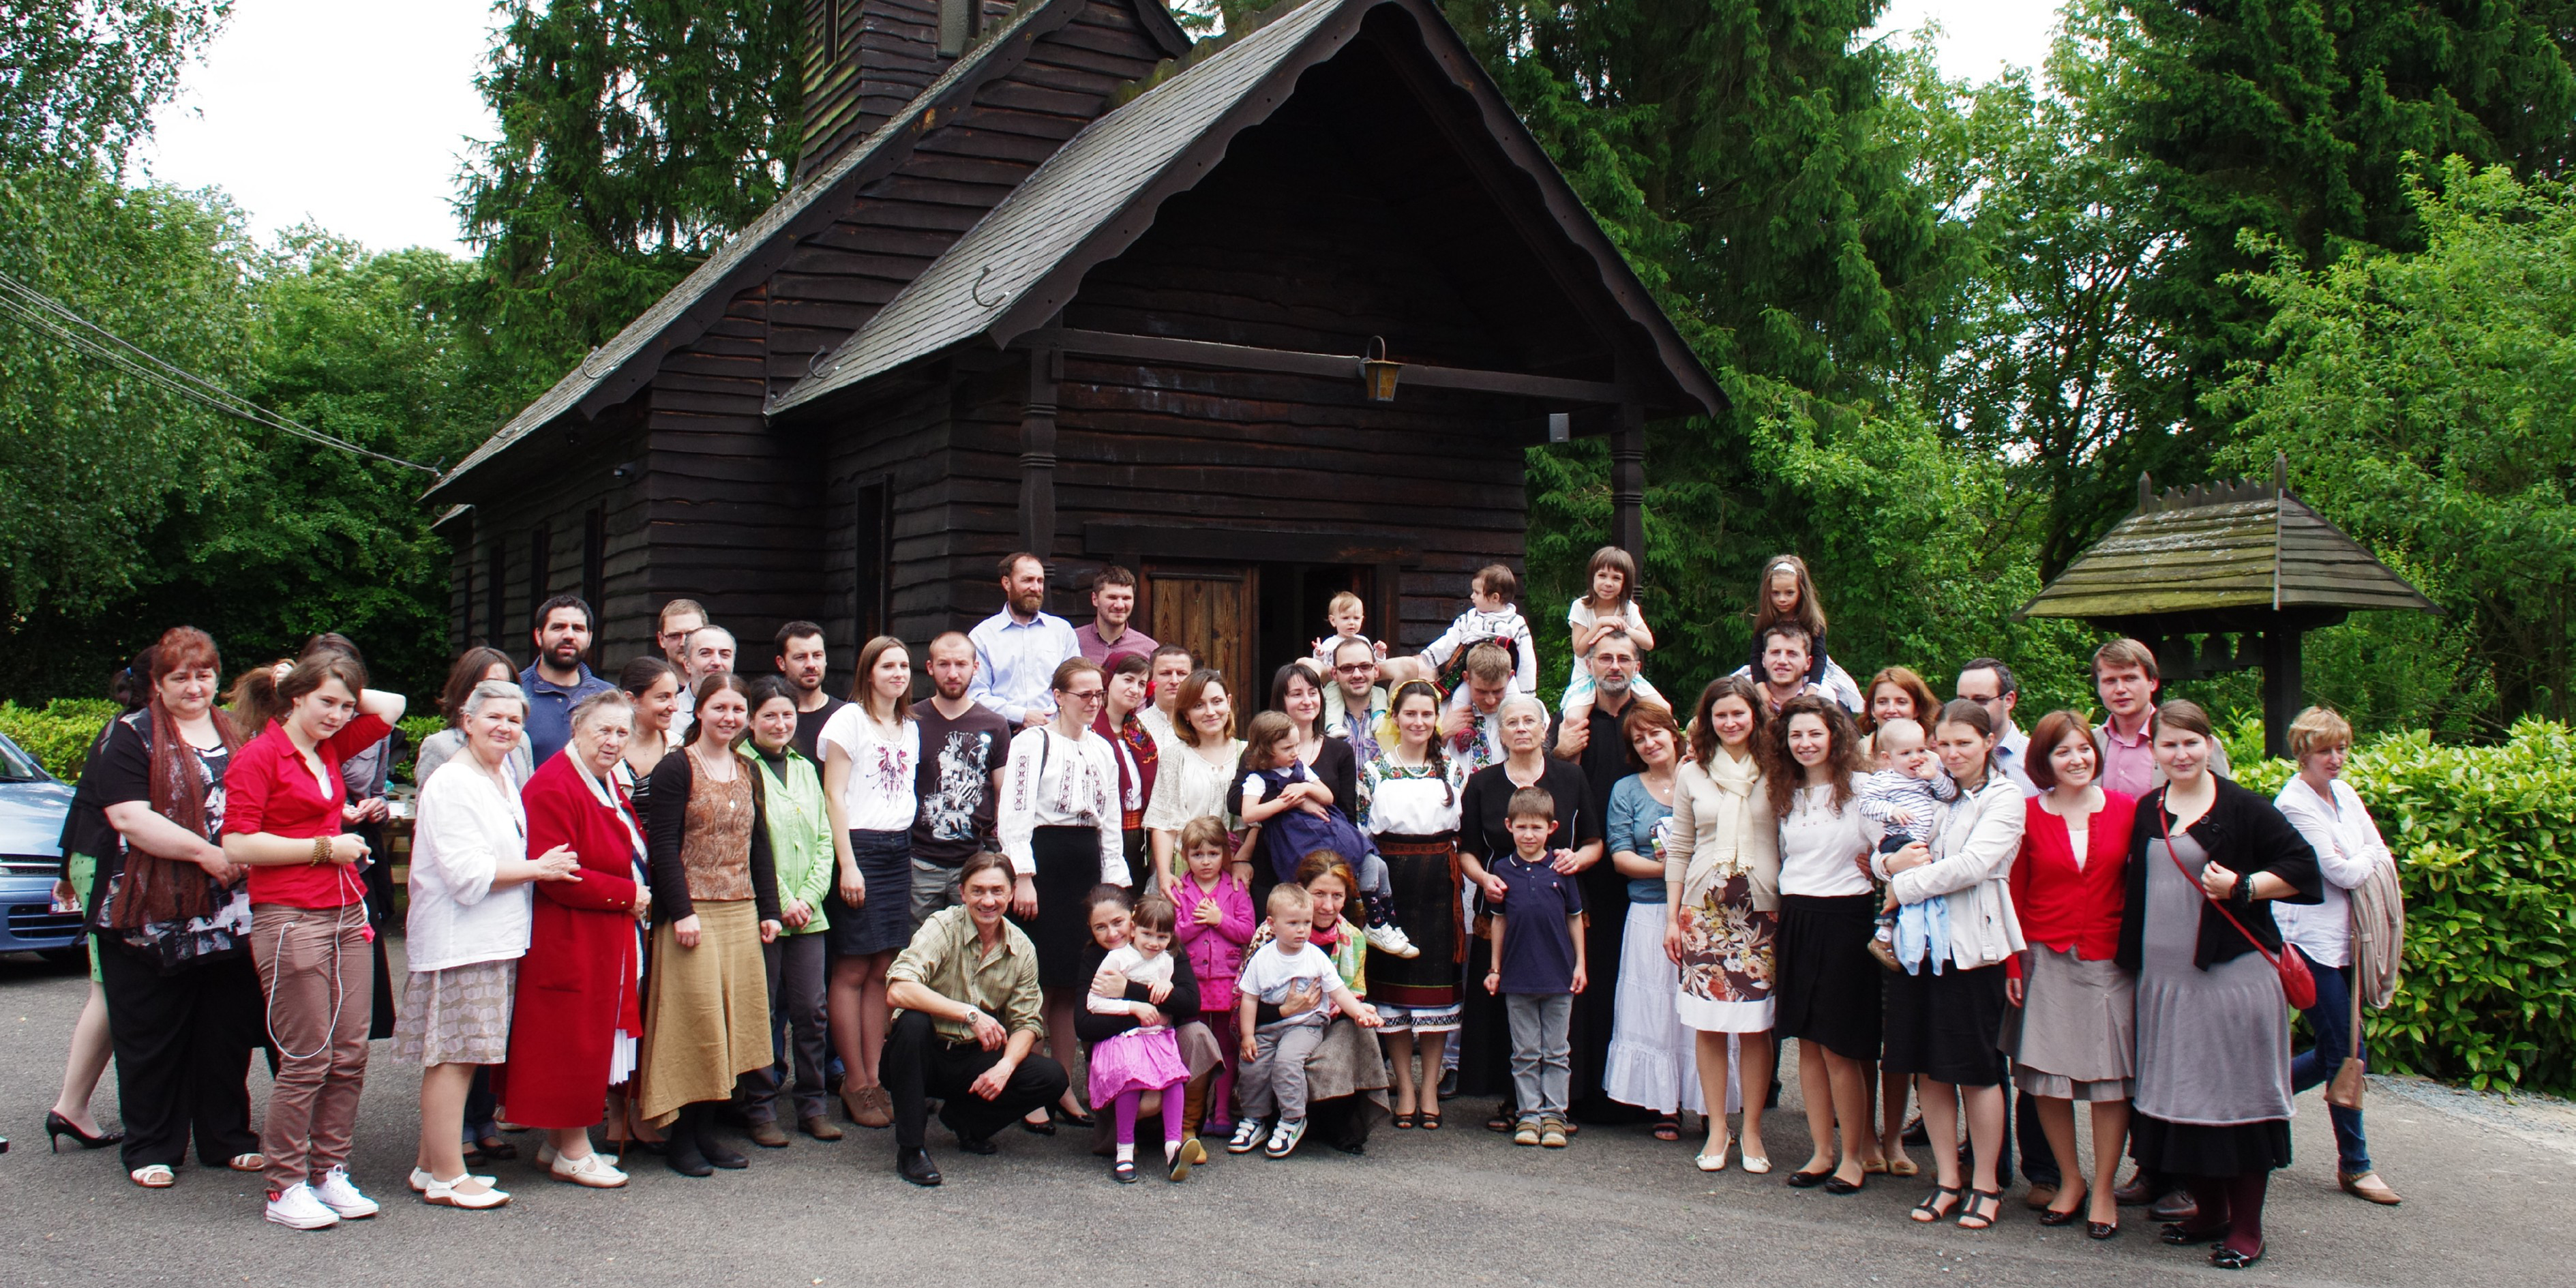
{"points": [[1052, 279], [2239, 558]]}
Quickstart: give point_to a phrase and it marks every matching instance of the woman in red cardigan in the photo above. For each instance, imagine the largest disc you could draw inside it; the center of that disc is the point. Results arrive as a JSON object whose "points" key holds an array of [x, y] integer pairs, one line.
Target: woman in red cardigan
{"points": [[2076, 1037], [575, 1026]]}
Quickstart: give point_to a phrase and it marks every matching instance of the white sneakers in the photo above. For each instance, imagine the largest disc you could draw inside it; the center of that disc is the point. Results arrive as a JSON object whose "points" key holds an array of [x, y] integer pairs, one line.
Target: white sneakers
{"points": [[296, 1208], [338, 1193], [1248, 1136], [1283, 1142], [1390, 938]]}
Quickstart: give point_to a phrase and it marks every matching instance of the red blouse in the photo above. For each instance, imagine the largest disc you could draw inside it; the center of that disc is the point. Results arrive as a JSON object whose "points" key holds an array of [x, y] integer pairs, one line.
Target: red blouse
{"points": [[268, 789], [2061, 905]]}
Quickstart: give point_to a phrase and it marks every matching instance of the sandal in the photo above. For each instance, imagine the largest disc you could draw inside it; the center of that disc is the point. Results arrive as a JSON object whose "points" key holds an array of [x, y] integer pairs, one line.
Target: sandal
{"points": [[1992, 1201], [1668, 1127], [1933, 1209], [154, 1176], [1429, 1118], [252, 1162], [1404, 1121]]}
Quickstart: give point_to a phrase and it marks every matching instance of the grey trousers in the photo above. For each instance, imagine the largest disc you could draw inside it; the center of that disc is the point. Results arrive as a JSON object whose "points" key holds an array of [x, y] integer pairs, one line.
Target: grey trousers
{"points": [[1276, 1078], [796, 964], [933, 888], [1542, 1062]]}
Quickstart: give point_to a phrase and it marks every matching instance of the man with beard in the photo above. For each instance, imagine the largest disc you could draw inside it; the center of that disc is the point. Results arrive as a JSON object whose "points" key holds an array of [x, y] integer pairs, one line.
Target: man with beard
{"points": [[1018, 649], [1601, 748], [1355, 702], [800, 662], [1113, 604], [558, 680], [963, 749]]}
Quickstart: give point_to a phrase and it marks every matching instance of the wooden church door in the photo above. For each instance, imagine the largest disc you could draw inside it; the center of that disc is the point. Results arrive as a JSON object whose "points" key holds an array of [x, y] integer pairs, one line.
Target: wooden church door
{"points": [[1210, 610]]}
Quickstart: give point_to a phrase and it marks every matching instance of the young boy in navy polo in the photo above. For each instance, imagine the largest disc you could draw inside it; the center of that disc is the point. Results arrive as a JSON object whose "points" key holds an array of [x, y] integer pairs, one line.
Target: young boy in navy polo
{"points": [[1538, 968]]}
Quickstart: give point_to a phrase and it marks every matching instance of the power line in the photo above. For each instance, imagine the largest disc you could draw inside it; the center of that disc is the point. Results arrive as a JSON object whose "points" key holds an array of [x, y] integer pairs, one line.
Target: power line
{"points": [[48, 316]]}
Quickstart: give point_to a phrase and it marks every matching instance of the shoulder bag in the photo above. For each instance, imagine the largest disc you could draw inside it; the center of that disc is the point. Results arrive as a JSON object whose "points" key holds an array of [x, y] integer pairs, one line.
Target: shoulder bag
{"points": [[2296, 983]]}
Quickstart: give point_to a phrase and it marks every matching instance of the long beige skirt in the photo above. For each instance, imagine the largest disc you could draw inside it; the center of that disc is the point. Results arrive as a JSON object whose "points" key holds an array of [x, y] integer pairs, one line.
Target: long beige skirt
{"points": [[706, 1011]]}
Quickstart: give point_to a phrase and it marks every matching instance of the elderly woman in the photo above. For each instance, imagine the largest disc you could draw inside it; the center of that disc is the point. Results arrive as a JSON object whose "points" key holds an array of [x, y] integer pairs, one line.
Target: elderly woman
{"points": [[1829, 984], [715, 896], [1484, 837], [2207, 859], [171, 917], [1652, 1052], [2331, 816], [1411, 794], [466, 930], [1722, 896], [574, 1032], [1194, 769], [1945, 1016], [2074, 1037], [474, 666], [309, 932]]}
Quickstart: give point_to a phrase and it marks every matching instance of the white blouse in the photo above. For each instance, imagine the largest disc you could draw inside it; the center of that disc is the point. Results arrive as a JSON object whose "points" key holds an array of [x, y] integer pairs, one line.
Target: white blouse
{"points": [[881, 794], [1409, 800], [1819, 842], [468, 823], [2348, 846], [1186, 786], [1055, 781]]}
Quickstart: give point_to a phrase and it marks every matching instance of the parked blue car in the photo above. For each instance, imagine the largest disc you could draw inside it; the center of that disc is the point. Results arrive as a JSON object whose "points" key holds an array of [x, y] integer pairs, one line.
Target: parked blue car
{"points": [[33, 804]]}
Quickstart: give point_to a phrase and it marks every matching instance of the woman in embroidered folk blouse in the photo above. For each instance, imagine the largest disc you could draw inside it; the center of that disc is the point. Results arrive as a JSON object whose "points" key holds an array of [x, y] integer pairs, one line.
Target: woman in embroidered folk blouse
{"points": [[1197, 767], [715, 897], [1059, 828], [1410, 795]]}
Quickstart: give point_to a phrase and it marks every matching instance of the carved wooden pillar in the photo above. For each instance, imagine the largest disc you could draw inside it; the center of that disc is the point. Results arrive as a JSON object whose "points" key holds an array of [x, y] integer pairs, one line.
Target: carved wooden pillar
{"points": [[1628, 482], [1037, 454]]}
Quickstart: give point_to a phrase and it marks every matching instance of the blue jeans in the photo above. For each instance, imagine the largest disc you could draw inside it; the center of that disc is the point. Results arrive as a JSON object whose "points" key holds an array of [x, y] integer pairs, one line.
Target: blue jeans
{"points": [[2331, 1020]]}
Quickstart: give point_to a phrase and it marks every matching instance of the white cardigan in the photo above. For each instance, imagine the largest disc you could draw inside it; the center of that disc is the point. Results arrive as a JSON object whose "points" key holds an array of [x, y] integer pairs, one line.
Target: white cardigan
{"points": [[1972, 858], [468, 823]]}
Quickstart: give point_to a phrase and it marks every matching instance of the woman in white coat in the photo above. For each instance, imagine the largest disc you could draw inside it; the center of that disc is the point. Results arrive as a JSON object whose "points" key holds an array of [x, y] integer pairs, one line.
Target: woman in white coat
{"points": [[1945, 1021], [466, 931]]}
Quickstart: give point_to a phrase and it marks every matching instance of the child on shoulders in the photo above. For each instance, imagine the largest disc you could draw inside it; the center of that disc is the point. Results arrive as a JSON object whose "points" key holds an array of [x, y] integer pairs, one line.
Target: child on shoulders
{"points": [[1611, 606], [1789, 595], [1491, 615]]}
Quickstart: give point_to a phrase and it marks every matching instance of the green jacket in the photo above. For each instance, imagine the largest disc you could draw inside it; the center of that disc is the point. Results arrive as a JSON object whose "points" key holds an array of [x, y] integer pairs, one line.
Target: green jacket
{"points": [[800, 832]]}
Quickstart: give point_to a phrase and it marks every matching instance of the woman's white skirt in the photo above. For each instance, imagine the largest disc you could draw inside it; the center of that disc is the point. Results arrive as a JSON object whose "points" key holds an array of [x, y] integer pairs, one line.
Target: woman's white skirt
{"points": [[1651, 1064]]}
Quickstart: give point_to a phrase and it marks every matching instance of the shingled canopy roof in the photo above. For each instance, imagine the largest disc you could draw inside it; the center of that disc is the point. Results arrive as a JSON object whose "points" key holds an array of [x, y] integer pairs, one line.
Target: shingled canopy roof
{"points": [[2233, 545]]}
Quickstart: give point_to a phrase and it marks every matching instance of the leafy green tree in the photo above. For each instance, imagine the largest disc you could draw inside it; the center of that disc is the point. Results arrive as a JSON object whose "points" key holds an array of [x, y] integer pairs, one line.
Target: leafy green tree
{"points": [[2422, 399], [636, 135], [79, 78]]}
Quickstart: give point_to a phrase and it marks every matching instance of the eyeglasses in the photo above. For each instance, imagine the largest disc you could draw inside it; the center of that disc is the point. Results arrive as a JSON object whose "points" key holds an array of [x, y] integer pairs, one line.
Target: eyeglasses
{"points": [[1086, 695], [1356, 668]]}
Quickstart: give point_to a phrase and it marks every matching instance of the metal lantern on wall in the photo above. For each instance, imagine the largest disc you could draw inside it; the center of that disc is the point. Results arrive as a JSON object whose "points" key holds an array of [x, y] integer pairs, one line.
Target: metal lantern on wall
{"points": [[1377, 373]]}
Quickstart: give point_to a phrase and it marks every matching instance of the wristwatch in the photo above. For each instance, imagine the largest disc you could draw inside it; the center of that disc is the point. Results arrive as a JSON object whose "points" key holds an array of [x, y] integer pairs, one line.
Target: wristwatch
{"points": [[974, 1016]]}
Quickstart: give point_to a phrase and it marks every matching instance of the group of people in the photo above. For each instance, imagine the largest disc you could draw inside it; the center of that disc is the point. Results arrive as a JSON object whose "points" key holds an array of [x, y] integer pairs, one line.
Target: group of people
{"points": [[660, 905]]}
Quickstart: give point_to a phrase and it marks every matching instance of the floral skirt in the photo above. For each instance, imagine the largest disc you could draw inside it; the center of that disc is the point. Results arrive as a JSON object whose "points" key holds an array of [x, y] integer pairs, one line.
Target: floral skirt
{"points": [[460, 1015], [1727, 964]]}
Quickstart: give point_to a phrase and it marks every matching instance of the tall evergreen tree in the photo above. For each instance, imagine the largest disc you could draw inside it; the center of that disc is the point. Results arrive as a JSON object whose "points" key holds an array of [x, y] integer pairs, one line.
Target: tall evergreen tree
{"points": [[636, 135]]}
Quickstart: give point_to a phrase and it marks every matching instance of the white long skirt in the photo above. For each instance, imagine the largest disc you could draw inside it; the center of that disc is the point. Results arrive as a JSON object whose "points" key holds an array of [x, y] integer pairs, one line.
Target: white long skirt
{"points": [[1651, 1064]]}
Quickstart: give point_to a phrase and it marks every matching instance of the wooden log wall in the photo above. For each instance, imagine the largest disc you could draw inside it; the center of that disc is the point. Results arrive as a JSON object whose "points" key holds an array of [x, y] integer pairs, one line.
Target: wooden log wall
{"points": [[561, 500]]}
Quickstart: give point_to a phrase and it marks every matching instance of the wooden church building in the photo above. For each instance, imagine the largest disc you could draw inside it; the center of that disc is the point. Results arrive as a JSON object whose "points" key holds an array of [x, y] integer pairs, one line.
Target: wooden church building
{"points": [[1263, 320]]}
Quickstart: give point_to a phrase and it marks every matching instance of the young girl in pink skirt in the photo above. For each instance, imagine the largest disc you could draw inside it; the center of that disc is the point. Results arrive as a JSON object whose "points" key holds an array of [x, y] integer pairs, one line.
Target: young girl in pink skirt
{"points": [[1148, 1057]]}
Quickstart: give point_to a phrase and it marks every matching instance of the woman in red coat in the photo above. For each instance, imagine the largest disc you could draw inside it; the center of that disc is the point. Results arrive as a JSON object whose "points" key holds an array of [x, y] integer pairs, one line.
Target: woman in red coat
{"points": [[576, 1022]]}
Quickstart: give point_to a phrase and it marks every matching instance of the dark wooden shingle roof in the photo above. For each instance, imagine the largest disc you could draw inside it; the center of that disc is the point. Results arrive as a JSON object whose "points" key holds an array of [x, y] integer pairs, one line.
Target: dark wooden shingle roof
{"points": [[2240, 544]]}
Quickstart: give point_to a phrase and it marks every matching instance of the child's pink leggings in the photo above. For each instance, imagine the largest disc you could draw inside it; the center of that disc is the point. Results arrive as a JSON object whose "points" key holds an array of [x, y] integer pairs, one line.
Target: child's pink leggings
{"points": [[1172, 1125]]}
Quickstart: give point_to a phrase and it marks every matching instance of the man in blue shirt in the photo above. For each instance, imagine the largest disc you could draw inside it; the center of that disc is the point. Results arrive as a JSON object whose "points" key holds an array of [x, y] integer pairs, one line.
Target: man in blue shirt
{"points": [[558, 680], [1018, 649]]}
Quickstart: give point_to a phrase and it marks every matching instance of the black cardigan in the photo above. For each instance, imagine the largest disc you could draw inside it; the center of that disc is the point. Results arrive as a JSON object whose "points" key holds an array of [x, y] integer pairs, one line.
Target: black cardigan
{"points": [[1179, 1007], [2243, 831], [667, 818]]}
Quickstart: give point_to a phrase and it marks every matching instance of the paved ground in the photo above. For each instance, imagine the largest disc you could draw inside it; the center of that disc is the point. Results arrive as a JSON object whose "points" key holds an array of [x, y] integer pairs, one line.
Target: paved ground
{"points": [[2490, 1197]]}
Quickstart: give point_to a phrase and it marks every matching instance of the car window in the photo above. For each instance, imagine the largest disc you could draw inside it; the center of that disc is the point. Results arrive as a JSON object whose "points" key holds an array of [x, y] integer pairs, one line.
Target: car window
{"points": [[16, 766]]}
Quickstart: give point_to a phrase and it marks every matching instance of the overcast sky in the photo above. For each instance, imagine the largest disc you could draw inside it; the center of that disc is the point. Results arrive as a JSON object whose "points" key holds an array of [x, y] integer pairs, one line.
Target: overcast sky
{"points": [[356, 116]]}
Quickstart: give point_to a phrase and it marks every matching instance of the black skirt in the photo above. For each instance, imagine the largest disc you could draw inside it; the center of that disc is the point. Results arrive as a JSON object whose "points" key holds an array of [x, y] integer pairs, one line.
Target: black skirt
{"points": [[883, 924], [2189, 1149], [1068, 865], [1947, 1027], [1424, 872], [1829, 985]]}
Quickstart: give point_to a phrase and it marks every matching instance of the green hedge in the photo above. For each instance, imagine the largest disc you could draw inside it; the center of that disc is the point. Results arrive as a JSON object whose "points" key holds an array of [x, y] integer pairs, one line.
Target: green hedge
{"points": [[2485, 839], [57, 734]]}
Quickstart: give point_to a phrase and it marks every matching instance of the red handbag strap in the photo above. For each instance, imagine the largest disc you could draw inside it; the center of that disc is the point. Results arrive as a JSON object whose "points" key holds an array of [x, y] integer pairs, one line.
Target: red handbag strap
{"points": [[2167, 828]]}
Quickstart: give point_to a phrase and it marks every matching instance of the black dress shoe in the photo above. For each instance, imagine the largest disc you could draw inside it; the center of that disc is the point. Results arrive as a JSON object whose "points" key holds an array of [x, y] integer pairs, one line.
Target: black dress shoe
{"points": [[914, 1165], [721, 1155], [2135, 1193], [1807, 1180], [2100, 1230], [2184, 1236], [681, 1152], [2178, 1206], [1915, 1133], [980, 1146]]}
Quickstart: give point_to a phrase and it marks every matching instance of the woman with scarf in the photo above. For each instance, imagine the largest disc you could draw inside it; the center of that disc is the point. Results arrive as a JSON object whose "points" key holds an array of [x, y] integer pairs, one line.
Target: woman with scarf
{"points": [[1722, 883], [172, 919]]}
